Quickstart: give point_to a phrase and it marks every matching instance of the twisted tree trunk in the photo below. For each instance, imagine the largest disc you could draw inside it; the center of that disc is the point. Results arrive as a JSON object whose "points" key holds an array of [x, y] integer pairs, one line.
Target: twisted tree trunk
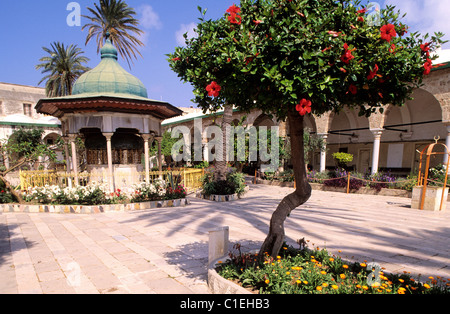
{"points": [[221, 163], [301, 195]]}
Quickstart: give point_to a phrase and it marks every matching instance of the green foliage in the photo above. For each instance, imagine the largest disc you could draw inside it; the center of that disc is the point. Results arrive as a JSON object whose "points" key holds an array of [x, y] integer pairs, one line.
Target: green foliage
{"points": [[343, 159], [26, 145], [118, 19], [62, 67], [279, 52]]}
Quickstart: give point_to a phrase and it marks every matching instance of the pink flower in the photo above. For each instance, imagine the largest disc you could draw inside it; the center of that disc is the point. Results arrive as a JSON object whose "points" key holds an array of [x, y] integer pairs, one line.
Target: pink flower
{"points": [[304, 107]]}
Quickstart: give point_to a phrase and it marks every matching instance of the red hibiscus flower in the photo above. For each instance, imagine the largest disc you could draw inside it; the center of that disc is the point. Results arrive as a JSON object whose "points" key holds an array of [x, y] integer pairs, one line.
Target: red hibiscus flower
{"points": [[235, 19], [213, 89], [387, 32], [234, 9], [347, 56], [428, 66], [362, 11], [425, 48], [304, 107], [373, 72], [353, 89]]}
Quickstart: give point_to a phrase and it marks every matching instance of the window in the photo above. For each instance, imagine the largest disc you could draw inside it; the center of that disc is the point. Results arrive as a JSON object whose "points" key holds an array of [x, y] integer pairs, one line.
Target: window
{"points": [[27, 110]]}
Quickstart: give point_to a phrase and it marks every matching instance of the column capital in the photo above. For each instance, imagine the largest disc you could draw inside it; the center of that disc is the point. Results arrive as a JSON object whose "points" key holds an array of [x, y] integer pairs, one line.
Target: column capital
{"points": [[71, 137], [377, 132], [148, 137], [159, 138], [108, 136]]}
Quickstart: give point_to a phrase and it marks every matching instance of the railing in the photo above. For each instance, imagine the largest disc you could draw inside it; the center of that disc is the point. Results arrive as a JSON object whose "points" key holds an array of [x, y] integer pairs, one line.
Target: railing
{"points": [[189, 178]]}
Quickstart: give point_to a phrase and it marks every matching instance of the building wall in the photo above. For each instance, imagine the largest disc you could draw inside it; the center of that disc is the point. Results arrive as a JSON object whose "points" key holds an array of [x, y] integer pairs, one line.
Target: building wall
{"points": [[404, 130]]}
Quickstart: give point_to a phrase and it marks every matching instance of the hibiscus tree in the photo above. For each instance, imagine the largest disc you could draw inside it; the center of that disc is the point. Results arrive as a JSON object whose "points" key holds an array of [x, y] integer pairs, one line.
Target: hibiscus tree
{"points": [[291, 58]]}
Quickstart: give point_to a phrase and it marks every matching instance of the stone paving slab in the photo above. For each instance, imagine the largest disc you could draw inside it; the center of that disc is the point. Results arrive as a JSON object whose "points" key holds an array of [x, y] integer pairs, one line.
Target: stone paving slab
{"points": [[165, 250]]}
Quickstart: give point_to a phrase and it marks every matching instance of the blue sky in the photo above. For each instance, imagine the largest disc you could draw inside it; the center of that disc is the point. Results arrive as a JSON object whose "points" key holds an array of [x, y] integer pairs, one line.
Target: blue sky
{"points": [[28, 25]]}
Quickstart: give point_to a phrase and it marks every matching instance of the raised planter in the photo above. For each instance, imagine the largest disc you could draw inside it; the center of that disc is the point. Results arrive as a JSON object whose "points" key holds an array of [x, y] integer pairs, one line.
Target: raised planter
{"points": [[95, 209], [221, 198], [433, 198], [219, 285]]}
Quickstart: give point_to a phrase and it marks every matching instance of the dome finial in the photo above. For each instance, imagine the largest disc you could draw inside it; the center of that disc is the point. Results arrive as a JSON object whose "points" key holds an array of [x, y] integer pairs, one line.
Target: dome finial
{"points": [[108, 50]]}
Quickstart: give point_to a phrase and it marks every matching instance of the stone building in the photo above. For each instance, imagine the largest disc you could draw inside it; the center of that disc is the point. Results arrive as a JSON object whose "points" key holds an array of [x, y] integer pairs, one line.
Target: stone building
{"points": [[384, 142], [17, 110]]}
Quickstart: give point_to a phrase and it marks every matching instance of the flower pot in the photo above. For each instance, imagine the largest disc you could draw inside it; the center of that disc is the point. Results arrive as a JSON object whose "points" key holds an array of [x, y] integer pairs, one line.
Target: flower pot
{"points": [[433, 198]]}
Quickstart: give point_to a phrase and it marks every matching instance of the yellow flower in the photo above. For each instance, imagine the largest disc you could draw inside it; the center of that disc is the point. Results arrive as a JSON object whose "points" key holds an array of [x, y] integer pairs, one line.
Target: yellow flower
{"points": [[325, 285], [288, 273], [278, 257], [323, 272], [267, 281], [342, 276], [401, 280], [375, 285], [334, 287], [363, 265], [298, 281], [319, 288], [331, 259], [305, 282], [365, 287], [345, 266], [427, 286], [358, 286]]}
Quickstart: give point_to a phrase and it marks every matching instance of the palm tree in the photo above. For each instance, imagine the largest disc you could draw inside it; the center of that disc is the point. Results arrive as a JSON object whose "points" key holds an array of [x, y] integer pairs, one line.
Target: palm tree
{"points": [[116, 18], [63, 66]]}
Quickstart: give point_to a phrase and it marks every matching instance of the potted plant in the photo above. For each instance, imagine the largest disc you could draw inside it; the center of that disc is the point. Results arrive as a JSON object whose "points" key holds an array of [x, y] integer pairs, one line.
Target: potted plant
{"points": [[342, 159]]}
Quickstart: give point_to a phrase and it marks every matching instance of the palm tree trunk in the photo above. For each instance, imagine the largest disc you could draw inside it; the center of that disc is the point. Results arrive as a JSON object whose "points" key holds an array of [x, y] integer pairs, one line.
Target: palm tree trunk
{"points": [[301, 195], [221, 163]]}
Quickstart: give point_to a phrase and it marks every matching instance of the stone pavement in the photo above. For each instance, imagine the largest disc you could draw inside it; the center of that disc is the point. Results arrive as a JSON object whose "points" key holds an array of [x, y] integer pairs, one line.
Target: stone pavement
{"points": [[165, 251]]}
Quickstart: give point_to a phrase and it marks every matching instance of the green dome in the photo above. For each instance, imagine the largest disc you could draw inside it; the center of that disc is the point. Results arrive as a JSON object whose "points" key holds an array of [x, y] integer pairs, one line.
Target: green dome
{"points": [[109, 78]]}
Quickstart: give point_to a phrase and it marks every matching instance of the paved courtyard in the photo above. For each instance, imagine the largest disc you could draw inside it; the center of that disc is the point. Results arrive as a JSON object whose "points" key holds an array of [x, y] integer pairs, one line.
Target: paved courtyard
{"points": [[165, 251]]}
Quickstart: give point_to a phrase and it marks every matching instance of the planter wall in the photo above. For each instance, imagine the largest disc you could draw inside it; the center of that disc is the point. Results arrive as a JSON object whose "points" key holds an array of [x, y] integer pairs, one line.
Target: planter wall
{"points": [[219, 285], [433, 198], [79, 209]]}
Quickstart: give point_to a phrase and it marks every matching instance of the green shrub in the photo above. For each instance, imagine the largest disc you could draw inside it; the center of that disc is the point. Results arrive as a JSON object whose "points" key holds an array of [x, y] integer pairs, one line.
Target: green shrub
{"points": [[234, 183]]}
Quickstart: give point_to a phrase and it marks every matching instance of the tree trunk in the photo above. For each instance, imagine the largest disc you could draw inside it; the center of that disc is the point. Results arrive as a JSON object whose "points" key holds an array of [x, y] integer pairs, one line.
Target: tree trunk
{"points": [[276, 236], [221, 163], [16, 194]]}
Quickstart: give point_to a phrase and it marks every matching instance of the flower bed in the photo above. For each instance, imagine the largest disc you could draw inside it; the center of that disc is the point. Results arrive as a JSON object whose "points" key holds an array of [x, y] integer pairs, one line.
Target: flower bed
{"points": [[315, 271], [96, 198]]}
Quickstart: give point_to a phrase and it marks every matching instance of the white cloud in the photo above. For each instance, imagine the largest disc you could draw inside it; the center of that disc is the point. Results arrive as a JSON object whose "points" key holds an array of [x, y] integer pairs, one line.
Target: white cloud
{"points": [[149, 18], [189, 29], [425, 16]]}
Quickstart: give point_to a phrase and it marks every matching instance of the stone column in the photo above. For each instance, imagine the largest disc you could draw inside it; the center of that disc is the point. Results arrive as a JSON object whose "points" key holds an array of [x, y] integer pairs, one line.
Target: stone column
{"points": [[323, 153], [110, 160], [146, 138], [447, 142], [72, 139], [376, 149]]}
